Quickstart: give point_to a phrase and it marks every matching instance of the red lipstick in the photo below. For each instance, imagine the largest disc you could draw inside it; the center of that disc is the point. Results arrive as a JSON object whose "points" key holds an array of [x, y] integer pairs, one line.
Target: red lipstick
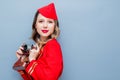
{"points": [[44, 31]]}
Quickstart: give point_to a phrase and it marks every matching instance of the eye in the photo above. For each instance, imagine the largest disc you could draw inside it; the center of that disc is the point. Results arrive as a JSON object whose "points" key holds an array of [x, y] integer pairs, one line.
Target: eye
{"points": [[40, 21], [50, 21]]}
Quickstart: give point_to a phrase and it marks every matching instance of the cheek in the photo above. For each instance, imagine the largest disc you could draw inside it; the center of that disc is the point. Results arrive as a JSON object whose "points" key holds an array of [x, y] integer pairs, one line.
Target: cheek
{"points": [[52, 29], [38, 26], [38, 29]]}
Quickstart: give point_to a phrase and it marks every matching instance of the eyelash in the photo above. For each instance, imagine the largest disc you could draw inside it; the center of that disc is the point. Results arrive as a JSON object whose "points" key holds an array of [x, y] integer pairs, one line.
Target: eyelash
{"points": [[40, 21], [48, 21]]}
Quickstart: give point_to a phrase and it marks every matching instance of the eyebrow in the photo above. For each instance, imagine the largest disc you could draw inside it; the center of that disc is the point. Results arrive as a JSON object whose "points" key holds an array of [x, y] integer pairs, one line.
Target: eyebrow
{"points": [[47, 19], [40, 19]]}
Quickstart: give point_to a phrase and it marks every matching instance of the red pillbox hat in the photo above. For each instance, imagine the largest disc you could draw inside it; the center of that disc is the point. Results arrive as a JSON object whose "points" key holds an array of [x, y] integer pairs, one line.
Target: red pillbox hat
{"points": [[48, 11]]}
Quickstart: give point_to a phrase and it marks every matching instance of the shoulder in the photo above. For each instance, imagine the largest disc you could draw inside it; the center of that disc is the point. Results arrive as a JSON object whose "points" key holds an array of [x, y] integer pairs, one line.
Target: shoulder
{"points": [[53, 49], [52, 46], [53, 42]]}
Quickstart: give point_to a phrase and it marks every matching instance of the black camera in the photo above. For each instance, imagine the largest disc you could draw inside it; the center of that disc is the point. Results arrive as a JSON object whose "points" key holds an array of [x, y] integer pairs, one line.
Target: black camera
{"points": [[23, 61]]}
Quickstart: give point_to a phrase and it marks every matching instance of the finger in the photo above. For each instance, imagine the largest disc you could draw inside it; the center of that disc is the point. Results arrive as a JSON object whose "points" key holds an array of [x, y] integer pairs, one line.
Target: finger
{"points": [[21, 48], [19, 52], [34, 47], [33, 51], [37, 48]]}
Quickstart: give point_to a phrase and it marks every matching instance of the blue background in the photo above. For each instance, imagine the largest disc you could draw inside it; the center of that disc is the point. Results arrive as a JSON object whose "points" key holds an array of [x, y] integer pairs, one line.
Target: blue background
{"points": [[90, 36]]}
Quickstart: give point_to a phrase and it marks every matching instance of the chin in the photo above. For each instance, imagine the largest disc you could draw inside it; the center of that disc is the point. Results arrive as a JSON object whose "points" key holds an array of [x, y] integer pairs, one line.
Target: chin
{"points": [[45, 35]]}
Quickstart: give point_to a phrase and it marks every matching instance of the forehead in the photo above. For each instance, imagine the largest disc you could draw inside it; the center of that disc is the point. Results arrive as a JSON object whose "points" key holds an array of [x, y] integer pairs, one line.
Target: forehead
{"points": [[40, 16]]}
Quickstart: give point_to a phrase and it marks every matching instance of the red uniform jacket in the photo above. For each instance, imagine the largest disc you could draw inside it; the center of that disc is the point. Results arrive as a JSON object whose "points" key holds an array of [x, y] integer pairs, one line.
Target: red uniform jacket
{"points": [[47, 67]]}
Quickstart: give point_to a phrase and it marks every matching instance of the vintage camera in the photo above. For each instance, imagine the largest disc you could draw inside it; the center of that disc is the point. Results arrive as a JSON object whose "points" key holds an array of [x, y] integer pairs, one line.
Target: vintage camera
{"points": [[23, 61]]}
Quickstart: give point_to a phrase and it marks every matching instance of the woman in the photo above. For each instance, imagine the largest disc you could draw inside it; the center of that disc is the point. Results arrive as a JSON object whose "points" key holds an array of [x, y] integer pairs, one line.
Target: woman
{"points": [[45, 61]]}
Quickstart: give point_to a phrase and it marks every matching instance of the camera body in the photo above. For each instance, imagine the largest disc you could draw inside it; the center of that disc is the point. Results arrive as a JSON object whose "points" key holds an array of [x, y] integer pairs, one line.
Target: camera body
{"points": [[23, 61]]}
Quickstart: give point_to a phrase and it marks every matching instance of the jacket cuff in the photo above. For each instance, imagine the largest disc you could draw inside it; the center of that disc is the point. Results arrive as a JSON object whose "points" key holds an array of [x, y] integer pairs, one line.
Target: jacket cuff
{"points": [[31, 66]]}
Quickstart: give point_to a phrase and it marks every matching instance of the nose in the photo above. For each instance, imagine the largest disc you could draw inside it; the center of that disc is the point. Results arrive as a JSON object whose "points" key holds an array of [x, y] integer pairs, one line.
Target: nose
{"points": [[45, 25]]}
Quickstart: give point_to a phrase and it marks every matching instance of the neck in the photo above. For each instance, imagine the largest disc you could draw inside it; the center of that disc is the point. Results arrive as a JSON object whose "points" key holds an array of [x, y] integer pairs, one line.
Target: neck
{"points": [[43, 38]]}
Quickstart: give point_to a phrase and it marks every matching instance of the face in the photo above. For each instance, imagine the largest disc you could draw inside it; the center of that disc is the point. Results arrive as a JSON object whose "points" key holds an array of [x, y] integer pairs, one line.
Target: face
{"points": [[44, 26]]}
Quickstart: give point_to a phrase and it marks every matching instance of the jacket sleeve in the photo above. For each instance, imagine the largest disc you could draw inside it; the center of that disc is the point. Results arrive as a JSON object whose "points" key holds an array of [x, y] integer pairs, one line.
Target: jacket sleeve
{"points": [[50, 68]]}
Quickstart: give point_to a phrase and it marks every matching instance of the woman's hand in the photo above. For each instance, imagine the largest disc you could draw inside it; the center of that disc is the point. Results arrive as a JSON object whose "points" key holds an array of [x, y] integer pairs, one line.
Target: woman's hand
{"points": [[19, 52], [33, 53]]}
